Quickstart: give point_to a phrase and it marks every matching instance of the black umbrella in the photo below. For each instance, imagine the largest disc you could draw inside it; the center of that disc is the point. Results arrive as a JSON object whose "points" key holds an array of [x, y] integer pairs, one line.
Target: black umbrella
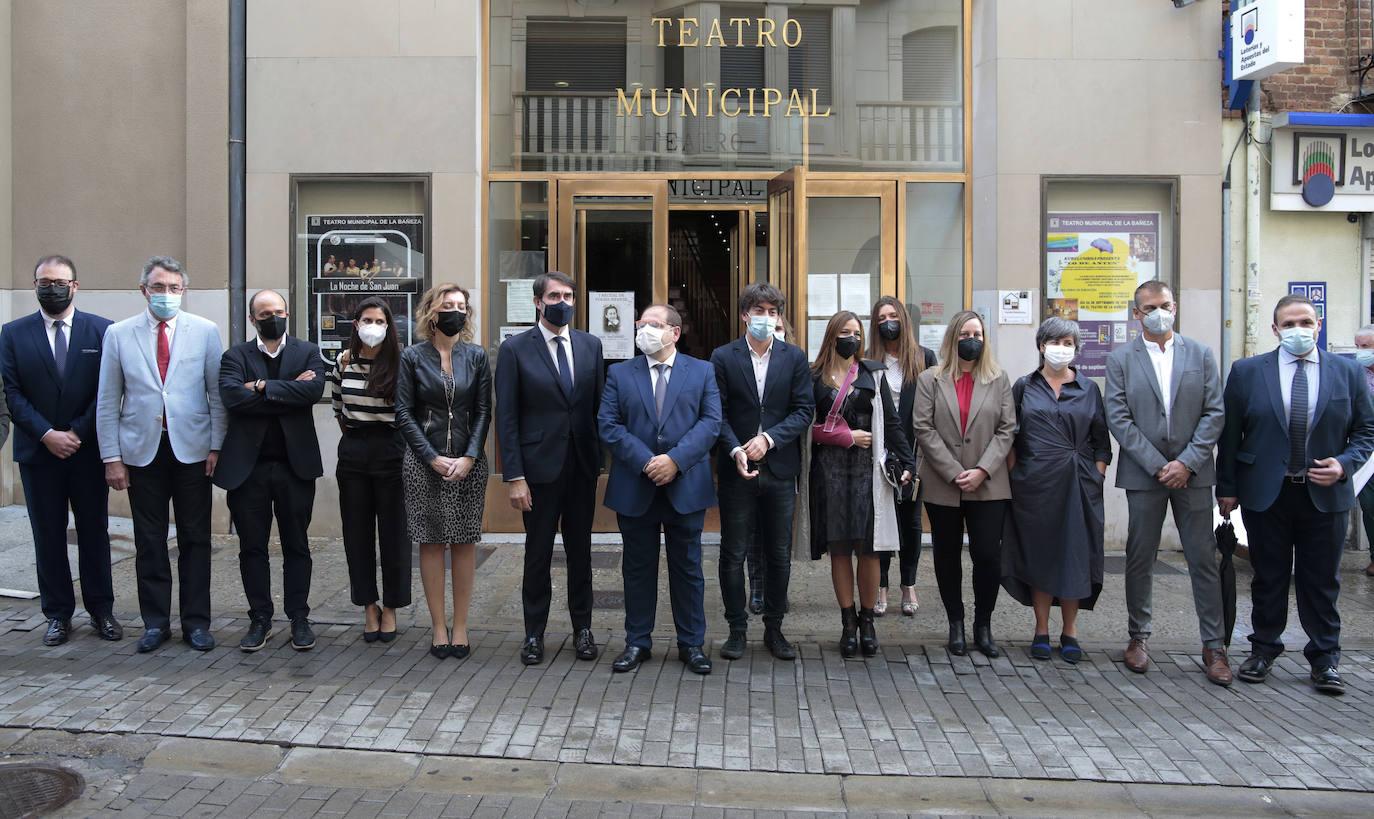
{"points": [[1226, 571]]}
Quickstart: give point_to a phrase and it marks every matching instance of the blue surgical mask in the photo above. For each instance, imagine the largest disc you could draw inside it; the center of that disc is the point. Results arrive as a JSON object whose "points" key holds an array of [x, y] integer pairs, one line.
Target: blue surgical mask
{"points": [[761, 327], [165, 305], [1298, 340], [558, 314], [1364, 358]]}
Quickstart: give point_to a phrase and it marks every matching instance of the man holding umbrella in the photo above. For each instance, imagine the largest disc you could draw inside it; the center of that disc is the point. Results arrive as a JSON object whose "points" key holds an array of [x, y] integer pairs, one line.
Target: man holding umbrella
{"points": [[1164, 407]]}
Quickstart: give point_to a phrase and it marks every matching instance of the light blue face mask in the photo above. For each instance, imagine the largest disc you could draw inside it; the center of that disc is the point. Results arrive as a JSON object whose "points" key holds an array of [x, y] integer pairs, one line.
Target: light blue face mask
{"points": [[165, 305], [1298, 340], [1364, 358], [761, 327]]}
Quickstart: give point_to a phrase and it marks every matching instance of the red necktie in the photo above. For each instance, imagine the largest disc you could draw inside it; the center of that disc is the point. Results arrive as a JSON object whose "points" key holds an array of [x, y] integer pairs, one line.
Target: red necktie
{"points": [[164, 350]]}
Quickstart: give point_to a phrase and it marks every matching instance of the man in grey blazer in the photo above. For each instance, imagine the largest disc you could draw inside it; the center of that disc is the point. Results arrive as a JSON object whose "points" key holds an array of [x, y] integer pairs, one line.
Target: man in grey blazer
{"points": [[160, 424], [1164, 407]]}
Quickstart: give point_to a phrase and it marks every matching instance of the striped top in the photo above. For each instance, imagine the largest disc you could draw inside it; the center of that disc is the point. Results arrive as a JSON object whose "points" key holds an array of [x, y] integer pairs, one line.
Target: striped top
{"points": [[348, 394]]}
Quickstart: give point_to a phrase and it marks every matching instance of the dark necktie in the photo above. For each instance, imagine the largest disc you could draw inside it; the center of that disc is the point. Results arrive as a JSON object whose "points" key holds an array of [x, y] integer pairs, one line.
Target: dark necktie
{"points": [[1297, 422], [660, 388], [164, 350], [59, 347], [564, 368]]}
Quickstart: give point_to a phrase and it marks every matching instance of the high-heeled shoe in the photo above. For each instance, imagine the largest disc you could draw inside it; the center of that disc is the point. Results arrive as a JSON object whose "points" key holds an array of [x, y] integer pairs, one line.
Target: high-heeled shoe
{"points": [[849, 640], [909, 606], [868, 637], [958, 643], [880, 607], [459, 652], [386, 636], [370, 636], [440, 650]]}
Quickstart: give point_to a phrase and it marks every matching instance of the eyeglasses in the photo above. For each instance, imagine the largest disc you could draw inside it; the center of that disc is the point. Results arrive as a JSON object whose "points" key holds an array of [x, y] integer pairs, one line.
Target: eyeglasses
{"points": [[54, 282], [657, 325], [173, 289]]}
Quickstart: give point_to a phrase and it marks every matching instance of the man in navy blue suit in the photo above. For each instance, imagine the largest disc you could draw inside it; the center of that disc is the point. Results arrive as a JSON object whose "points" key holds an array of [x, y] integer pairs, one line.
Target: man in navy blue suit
{"points": [[1299, 423], [659, 416], [51, 366], [765, 396], [548, 389]]}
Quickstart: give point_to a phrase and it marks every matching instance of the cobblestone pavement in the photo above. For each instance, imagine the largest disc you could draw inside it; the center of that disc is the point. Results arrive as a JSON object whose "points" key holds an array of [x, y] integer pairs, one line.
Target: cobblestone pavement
{"points": [[914, 723]]}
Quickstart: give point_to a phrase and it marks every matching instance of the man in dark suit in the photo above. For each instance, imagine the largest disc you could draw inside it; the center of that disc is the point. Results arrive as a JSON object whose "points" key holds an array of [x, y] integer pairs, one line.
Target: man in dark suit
{"points": [[766, 403], [659, 416], [1299, 423], [51, 366], [548, 389], [270, 461]]}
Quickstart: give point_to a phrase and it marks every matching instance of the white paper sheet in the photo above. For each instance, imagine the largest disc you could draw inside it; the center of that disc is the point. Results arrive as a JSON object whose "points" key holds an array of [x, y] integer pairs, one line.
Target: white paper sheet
{"points": [[519, 302], [822, 294], [854, 293]]}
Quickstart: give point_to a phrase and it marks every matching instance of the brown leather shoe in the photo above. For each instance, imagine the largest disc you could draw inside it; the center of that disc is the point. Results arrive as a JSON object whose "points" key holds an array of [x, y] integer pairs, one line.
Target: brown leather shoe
{"points": [[1137, 656], [1218, 666]]}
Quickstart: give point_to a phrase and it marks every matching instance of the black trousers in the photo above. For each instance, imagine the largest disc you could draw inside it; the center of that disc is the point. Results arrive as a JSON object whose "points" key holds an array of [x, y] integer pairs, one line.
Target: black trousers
{"points": [[744, 505], [372, 512], [984, 521], [909, 543], [187, 488], [274, 490], [567, 504], [48, 489], [1293, 540]]}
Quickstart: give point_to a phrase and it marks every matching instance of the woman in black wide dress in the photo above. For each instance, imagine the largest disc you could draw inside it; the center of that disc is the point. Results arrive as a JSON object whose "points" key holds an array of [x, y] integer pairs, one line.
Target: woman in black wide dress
{"points": [[1052, 540]]}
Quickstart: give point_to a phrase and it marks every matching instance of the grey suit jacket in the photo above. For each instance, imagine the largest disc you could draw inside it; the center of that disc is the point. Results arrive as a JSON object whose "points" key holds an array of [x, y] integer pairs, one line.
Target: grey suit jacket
{"points": [[1135, 413]]}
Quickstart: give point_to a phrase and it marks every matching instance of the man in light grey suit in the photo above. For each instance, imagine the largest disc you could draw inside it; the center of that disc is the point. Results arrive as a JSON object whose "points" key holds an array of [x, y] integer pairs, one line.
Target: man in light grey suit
{"points": [[160, 424], [1164, 407]]}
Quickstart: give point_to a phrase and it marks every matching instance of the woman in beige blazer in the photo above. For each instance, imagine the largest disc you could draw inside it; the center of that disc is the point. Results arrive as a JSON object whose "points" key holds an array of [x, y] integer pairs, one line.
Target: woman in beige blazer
{"points": [[965, 421]]}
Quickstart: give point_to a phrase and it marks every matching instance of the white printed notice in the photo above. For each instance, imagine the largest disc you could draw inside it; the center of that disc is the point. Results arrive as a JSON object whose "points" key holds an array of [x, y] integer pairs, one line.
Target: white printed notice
{"points": [[519, 302]]}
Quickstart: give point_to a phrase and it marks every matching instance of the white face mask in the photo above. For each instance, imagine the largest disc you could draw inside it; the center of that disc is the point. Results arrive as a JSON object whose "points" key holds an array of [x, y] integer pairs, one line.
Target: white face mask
{"points": [[371, 334], [650, 339], [1059, 356], [1159, 322], [780, 335]]}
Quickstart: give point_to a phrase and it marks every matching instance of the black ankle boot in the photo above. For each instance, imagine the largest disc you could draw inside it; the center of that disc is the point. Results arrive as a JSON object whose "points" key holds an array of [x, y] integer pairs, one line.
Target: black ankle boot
{"points": [[957, 645], [982, 639], [849, 642], [868, 639]]}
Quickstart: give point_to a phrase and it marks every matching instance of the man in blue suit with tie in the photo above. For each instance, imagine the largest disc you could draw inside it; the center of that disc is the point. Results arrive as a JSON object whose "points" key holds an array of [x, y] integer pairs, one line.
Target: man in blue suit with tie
{"points": [[659, 416], [51, 365], [1299, 423]]}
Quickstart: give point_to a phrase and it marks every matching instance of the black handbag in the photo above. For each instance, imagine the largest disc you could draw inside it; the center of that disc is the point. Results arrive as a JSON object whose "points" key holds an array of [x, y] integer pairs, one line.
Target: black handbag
{"points": [[904, 492]]}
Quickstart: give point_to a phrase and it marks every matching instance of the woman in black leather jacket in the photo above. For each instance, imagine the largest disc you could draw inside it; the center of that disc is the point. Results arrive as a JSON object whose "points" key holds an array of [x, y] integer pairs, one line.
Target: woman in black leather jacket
{"points": [[443, 409]]}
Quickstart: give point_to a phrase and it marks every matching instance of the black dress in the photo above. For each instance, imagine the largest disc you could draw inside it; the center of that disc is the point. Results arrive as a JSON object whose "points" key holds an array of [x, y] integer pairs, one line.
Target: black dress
{"points": [[1052, 538], [841, 478]]}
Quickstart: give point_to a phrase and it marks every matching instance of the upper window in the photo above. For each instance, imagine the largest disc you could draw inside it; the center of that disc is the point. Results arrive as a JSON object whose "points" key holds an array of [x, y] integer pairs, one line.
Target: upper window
{"points": [[808, 63], [578, 56], [930, 65]]}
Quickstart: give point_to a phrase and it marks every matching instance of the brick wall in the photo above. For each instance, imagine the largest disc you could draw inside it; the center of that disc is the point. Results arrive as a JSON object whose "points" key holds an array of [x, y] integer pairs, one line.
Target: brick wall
{"points": [[1338, 33]]}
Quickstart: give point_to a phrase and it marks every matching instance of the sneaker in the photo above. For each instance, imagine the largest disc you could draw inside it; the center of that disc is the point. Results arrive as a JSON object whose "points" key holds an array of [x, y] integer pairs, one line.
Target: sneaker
{"points": [[302, 638], [258, 632], [733, 647]]}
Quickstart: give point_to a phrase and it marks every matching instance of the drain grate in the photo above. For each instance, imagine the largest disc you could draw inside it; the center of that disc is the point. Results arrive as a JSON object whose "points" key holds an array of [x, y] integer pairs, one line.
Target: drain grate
{"points": [[29, 789]]}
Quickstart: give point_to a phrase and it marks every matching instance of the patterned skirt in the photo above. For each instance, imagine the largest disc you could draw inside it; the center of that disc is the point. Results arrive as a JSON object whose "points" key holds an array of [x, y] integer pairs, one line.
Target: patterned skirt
{"points": [[441, 512]]}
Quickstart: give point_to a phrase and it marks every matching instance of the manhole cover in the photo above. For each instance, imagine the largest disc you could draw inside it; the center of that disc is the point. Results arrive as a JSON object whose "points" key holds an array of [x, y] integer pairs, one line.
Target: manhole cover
{"points": [[32, 790]]}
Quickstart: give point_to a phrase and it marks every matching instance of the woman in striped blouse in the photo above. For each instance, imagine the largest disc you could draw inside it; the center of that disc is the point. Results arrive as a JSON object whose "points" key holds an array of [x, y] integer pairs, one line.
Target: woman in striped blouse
{"points": [[371, 500]]}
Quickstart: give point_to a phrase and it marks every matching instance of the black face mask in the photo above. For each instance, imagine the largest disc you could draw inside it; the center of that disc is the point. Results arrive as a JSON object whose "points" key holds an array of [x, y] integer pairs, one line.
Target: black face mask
{"points": [[558, 314], [970, 349], [450, 322], [890, 330], [54, 299], [271, 328], [847, 346]]}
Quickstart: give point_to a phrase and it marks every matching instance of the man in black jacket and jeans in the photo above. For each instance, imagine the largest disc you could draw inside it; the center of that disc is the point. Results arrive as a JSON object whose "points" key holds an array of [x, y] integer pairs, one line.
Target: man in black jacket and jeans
{"points": [[270, 461], [766, 405]]}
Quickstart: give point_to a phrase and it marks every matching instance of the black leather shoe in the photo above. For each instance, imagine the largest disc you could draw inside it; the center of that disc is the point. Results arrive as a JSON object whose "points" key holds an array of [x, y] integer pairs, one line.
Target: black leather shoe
{"points": [[107, 627], [1327, 680], [1255, 668], [778, 645], [849, 632], [630, 659], [694, 659], [258, 631], [958, 643], [57, 632], [459, 651], [440, 650], [868, 638], [733, 647], [302, 636], [982, 640], [585, 644], [152, 639], [532, 651], [199, 639]]}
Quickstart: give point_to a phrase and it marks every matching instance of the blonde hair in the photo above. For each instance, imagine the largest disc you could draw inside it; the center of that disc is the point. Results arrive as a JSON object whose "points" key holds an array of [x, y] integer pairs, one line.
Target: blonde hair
{"points": [[827, 356], [985, 370], [428, 310]]}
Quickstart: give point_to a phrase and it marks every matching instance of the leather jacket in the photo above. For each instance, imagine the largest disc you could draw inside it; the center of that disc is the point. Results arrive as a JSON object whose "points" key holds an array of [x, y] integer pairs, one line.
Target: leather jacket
{"points": [[433, 421]]}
